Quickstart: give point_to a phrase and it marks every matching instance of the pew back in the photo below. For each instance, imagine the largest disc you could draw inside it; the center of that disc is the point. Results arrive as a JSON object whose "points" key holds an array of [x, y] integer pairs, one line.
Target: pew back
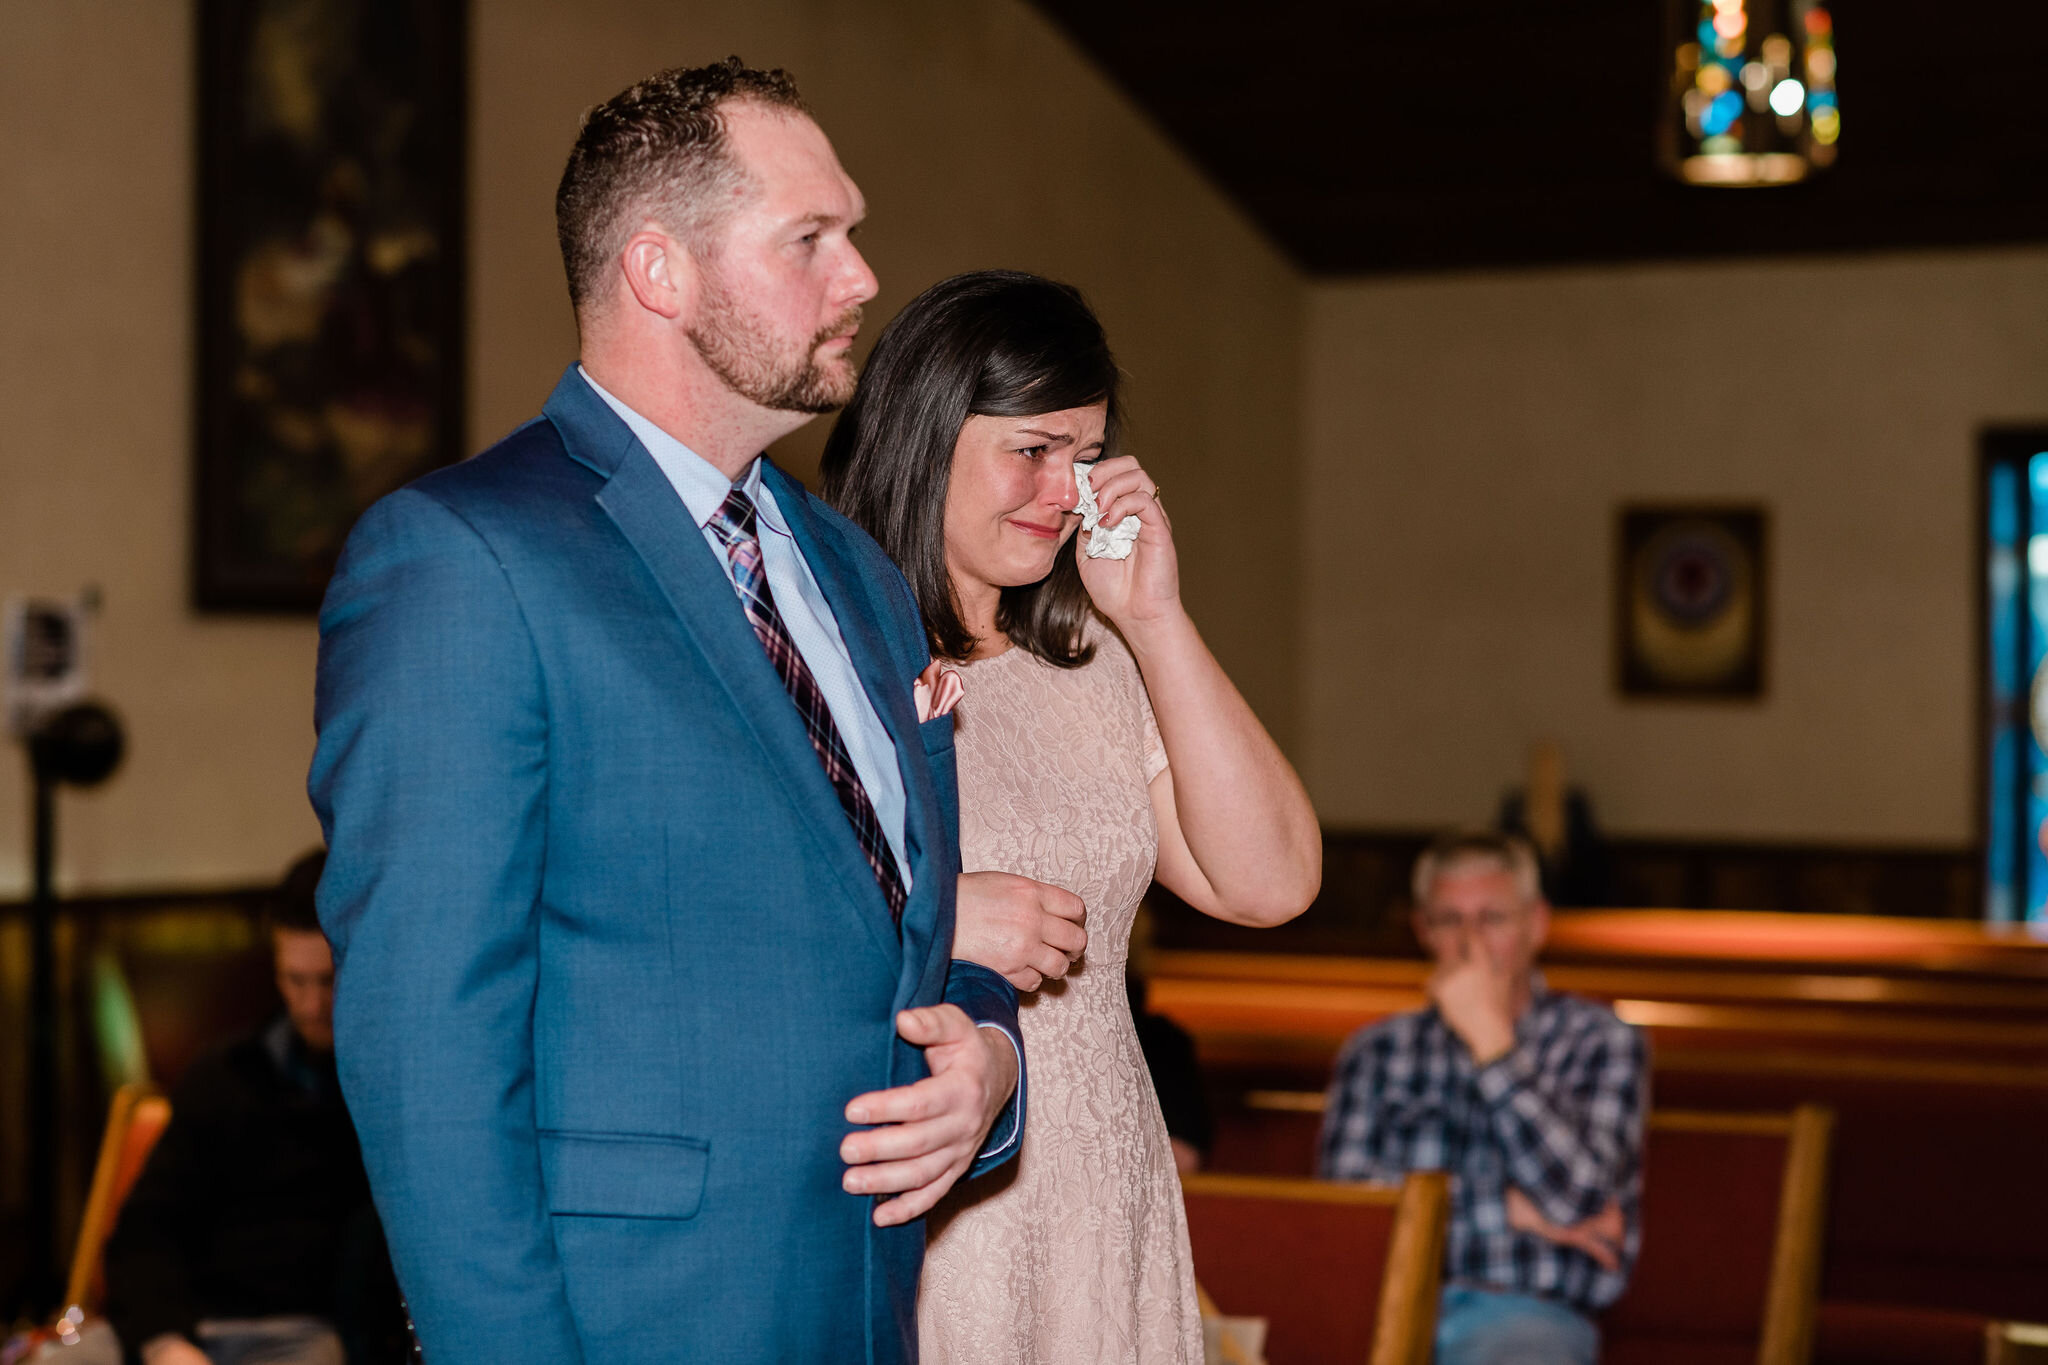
{"points": [[1344, 1274], [1732, 1215]]}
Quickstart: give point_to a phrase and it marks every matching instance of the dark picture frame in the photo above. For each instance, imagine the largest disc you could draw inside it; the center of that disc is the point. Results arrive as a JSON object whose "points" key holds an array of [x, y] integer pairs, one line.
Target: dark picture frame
{"points": [[330, 349], [1691, 601]]}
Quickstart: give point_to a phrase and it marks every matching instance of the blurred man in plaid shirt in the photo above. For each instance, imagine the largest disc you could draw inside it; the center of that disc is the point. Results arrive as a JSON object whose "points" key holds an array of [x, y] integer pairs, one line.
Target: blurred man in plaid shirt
{"points": [[1533, 1101]]}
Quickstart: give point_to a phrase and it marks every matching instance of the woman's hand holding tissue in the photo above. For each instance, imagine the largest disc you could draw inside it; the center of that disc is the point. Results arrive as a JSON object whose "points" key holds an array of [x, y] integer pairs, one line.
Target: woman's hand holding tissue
{"points": [[1141, 590]]}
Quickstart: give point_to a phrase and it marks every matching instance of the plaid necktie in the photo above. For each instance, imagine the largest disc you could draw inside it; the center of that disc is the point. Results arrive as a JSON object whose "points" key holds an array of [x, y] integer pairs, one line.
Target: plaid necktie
{"points": [[733, 523]]}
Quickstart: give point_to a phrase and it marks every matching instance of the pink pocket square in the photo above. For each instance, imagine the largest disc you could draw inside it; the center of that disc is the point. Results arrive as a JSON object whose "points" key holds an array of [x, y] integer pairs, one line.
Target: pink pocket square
{"points": [[936, 692]]}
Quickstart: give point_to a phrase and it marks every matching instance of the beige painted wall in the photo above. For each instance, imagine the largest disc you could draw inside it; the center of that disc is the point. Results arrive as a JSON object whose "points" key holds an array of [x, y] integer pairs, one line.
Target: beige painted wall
{"points": [[1468, 440], [1456, 445], [978, 135], [95, 462]]}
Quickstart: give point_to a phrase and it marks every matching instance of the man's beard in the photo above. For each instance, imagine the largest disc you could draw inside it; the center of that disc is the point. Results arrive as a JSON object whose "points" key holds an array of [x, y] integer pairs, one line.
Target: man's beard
{"points": [[758, 366]]}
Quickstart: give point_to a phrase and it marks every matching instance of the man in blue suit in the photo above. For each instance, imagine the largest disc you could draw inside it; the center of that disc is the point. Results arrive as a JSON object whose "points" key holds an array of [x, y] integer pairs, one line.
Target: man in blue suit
{"points": [[643, 862]]}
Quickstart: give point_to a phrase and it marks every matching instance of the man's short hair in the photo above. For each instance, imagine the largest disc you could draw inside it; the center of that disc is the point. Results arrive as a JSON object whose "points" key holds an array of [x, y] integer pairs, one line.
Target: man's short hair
{"points": [[291, 905], [656, 150], [1459, 849]]}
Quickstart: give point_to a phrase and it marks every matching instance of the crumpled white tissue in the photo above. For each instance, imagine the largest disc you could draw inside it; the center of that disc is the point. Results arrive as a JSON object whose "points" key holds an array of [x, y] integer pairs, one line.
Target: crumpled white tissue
{"points": [[1104, 542]]}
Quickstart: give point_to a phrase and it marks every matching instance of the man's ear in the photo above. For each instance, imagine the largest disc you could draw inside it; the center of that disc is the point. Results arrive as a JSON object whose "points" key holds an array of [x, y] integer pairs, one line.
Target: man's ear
{"points": [[660, 272]]}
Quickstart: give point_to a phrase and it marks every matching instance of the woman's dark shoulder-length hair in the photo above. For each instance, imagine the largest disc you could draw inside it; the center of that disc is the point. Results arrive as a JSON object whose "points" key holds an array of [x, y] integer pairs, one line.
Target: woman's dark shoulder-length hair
{"points": [[993, 343]]}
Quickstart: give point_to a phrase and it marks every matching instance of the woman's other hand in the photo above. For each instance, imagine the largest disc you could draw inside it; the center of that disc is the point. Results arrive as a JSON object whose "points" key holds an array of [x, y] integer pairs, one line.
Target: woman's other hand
{"points": [[1026, 931], [1144, 589]]}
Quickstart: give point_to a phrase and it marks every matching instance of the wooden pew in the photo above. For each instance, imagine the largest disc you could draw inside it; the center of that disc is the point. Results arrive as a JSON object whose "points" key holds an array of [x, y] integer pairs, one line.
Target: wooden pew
{"points": [[1940, 1082], [1733, 1214], [1949, 950], [1940, 1197], [1730, 1267], [1344, 1274], [1276, 1005]]}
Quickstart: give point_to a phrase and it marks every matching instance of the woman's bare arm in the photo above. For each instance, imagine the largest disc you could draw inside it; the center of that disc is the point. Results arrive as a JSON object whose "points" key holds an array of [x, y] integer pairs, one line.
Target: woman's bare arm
{"points": [[1238, 838]]}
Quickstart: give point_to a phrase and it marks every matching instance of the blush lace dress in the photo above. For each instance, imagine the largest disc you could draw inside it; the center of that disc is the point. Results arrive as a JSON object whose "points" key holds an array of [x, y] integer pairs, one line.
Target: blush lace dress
{"points": [[1077, 1251]]}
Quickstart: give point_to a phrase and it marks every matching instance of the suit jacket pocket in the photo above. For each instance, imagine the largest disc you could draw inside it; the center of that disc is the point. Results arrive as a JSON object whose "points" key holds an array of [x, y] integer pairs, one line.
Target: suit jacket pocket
{"points": [[937, 734], [623, 1175]]}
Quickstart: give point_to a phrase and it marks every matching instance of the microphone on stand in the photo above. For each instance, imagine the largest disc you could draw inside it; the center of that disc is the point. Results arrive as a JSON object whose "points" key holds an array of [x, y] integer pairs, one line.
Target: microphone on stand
{"points": [[77, 746]]}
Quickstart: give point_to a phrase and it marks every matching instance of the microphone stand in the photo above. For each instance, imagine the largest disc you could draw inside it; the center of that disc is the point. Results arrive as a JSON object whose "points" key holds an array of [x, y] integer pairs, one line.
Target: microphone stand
{"points": [[81, 745]]}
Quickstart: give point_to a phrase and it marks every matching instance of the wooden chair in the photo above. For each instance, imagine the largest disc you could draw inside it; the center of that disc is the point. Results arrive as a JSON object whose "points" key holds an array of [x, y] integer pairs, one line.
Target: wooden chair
{"points": [[135, 1120], [1732, 1215], [1344, 1274]]}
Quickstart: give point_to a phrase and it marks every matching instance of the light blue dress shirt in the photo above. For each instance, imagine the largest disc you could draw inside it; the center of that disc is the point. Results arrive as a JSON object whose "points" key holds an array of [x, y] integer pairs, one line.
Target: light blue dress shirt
{"points": [[703, 489]]}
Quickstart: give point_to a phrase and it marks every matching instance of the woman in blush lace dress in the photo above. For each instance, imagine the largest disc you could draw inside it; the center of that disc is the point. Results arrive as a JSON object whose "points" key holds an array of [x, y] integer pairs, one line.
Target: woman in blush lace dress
{"points": [[1097, 740]]}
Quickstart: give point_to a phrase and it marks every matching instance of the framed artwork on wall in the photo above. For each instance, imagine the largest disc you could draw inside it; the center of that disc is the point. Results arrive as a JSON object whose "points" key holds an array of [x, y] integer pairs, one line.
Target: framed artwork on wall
{"points": [[330, 281], [1691, 592]]}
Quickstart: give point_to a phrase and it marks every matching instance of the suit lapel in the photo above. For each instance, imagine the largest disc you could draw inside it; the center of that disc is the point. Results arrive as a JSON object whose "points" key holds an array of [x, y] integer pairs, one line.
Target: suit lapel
{"points": [[642, 503], [887, 683]]}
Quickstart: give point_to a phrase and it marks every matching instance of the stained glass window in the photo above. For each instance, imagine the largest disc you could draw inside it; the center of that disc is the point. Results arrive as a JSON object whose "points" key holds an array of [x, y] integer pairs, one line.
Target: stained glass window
{"points": [[2015, 645]]}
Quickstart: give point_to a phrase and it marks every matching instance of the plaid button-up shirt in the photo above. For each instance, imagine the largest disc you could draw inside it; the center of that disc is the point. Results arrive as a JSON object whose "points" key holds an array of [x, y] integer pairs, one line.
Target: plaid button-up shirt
{"points": [[1560, 1117]]}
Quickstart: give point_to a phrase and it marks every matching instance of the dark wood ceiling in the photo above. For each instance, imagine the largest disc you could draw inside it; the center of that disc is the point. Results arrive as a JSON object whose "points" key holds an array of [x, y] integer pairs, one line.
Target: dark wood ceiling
{"points": [[1394, 135]]}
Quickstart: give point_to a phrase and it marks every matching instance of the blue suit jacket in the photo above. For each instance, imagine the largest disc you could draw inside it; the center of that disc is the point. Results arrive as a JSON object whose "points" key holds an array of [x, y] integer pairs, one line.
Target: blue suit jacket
{"points": [[609, 960]]}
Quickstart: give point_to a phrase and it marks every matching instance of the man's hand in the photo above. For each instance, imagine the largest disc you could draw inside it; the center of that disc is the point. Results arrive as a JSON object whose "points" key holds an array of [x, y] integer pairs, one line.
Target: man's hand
{"points": [[1600, 1236], [1476, 997], [172, 1349], [935, 1127], [1025, 931]]}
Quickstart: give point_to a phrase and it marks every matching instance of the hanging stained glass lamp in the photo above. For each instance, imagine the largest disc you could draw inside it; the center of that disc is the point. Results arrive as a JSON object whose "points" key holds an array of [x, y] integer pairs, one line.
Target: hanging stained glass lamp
{"points": [[1752, 98]]}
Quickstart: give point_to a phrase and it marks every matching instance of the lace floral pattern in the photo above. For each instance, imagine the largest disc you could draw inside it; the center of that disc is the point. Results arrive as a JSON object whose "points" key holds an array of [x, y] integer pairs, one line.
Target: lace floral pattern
{"points": [[1077, 1251]]}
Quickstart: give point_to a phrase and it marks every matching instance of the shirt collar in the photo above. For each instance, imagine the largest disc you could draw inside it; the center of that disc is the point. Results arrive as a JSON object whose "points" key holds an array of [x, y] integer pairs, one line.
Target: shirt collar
{"points": [[700, 484], [298, 1064]]}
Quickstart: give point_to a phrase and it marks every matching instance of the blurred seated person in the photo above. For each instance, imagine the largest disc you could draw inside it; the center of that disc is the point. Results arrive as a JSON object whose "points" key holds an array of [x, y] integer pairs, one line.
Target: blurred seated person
{"points": [[1532, 1101], [1176, 1078], [1170, 1058], [1557, 820], [249, 1237]]}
